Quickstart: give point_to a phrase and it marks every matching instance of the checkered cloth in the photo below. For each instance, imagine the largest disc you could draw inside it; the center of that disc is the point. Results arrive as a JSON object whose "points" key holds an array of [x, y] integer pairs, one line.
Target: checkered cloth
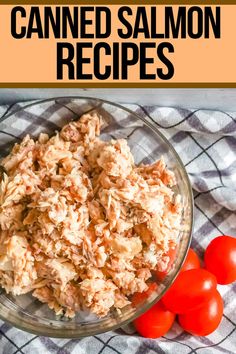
{"points": [[206, 142]]}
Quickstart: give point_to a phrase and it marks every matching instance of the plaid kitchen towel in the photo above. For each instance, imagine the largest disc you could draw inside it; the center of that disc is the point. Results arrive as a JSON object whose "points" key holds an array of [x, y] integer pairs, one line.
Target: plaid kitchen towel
{"points": [[206, 142]]}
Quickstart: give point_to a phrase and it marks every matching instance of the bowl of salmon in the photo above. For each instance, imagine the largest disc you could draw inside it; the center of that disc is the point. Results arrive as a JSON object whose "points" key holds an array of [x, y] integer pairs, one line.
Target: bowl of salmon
{"points": [[96, 216]]}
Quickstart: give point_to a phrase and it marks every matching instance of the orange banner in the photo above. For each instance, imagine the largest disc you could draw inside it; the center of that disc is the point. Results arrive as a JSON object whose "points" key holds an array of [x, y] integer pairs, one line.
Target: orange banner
{"points": [[117, 44]]}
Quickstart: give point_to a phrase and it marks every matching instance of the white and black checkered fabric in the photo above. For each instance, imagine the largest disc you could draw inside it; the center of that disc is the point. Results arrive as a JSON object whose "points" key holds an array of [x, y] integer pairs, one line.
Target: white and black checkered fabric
{"points": [[206, 142]]}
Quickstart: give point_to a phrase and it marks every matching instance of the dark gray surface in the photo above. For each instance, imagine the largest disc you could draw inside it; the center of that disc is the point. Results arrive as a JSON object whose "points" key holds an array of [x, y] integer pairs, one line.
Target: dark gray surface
{"points": [[224, 99]]}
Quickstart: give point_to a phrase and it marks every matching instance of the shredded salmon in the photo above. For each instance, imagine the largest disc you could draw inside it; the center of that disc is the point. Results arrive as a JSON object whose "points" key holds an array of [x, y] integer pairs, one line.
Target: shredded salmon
{"points": [[81, 226]]}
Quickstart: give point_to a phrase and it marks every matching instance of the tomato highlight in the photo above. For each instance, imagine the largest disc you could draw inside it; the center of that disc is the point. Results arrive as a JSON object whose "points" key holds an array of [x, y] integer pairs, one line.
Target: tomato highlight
{"points": [[206, 318], [190, 289], [156, 322], [220, 259]]}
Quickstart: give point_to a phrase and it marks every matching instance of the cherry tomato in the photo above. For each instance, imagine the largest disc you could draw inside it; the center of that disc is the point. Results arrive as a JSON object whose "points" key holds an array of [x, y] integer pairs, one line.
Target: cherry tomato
{"points": [[156, 322], [172, 255], [192, 261], [205, 319], [220, 259], [190, 289], [138, 298]]}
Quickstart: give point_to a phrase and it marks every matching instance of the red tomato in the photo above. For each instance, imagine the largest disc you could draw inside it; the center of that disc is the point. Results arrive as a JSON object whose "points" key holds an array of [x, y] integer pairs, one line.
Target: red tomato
{"points": [[192, 261], [138, 298], [190, 289], [220, 259], [156, 322], [172, 255], [205, 319]]}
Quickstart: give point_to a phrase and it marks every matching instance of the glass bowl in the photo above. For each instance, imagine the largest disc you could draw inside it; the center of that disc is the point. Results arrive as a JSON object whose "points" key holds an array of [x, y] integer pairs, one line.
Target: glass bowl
{"points": [[147, 145]]}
